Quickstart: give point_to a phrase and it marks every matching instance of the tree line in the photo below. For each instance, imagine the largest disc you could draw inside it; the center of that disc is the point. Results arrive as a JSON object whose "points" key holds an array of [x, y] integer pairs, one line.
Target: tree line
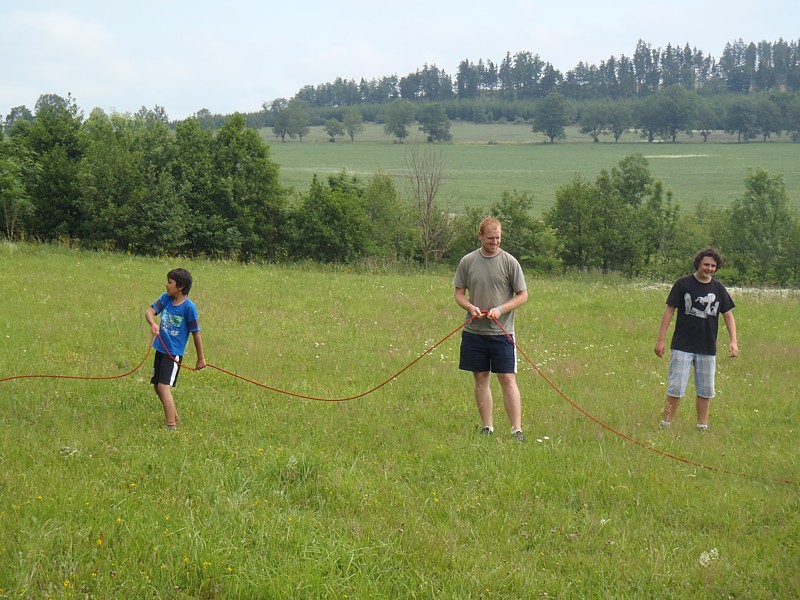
{"points": [[752, 91], [129, 183], [661, 116], [510, 90], [762, 67]]}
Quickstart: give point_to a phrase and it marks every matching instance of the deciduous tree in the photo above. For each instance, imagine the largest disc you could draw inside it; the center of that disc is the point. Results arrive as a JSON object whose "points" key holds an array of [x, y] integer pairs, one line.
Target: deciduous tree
{"points": [[678, 109], [397, 117], [17, 167], [551, 116], [18, 114], [571, 219], [619, 116], [740, 118], [252, 189], [203, 193], [298, 120], [330, 225], [353, 123], [593, 120], [768, 118], [333, 127], [390, 218], [425, 170], [762, 221], [793, 119], [434, 122], [53, 137], [111, 181]]}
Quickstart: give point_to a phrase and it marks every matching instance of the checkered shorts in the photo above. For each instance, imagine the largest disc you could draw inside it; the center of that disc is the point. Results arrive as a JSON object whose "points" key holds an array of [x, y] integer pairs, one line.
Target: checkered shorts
{"points": [[680, 363]]}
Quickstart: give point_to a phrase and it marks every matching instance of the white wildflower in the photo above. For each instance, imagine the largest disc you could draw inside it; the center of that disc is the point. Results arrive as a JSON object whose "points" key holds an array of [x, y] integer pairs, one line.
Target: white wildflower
{"points": [[707, 558]]}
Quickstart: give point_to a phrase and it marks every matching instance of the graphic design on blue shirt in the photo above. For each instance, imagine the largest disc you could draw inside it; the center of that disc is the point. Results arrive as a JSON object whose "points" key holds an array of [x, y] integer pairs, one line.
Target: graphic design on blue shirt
{"points": [[176, 323]]}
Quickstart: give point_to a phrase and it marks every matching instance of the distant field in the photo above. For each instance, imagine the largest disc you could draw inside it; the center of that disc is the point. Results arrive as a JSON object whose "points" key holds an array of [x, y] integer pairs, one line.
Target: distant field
{"points": [[478, 171]]}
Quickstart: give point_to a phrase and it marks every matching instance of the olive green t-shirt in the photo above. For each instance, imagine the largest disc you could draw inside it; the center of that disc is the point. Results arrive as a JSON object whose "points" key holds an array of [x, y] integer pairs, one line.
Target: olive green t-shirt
{"points": [[490, 281]]}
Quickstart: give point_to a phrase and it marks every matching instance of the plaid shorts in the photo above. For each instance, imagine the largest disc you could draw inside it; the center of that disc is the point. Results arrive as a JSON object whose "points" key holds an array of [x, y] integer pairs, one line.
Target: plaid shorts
{"points": [[680, 363]]}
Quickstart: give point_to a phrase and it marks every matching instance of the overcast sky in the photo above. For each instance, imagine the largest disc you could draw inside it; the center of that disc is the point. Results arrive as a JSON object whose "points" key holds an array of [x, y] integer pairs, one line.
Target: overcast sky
{"points": [[235, 55]]}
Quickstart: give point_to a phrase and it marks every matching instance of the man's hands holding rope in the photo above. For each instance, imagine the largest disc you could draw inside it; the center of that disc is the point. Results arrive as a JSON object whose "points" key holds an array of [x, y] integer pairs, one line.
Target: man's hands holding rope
{"points": [[493, 313]]}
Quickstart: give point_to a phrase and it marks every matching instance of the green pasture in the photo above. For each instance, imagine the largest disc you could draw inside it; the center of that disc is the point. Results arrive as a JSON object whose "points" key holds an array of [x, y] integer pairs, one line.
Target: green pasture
{"points": [[485, 160], [393, 495]]}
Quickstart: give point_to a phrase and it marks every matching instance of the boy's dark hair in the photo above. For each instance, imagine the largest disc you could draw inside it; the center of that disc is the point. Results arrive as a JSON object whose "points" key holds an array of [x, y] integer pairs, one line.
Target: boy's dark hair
{"points": [[710, 252], [182, 278]]}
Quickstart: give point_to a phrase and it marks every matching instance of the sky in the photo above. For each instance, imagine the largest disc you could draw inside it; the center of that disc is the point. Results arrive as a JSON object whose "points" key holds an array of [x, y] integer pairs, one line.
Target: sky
{"points": [[232, 56]]}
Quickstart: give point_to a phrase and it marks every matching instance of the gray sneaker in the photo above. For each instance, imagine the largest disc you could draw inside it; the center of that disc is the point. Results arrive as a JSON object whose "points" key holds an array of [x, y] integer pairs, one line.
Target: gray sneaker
{"points": [[486, 430], [519, 436]]}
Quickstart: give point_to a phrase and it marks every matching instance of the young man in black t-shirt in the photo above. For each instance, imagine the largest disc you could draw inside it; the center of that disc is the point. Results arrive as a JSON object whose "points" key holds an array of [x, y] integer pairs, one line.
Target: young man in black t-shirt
{"points": [[699, 299]]}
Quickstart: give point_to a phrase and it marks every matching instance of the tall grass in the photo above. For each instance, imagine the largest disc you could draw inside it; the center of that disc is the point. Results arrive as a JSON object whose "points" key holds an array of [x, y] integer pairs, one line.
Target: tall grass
{"points": [[477, 171], [261, 495]]}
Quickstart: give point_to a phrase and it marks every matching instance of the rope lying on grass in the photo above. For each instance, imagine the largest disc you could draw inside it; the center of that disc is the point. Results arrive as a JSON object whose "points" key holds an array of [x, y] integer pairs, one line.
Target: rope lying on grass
{"points": [[361, 395], [395, 376], [81, 377], [615, 431]]}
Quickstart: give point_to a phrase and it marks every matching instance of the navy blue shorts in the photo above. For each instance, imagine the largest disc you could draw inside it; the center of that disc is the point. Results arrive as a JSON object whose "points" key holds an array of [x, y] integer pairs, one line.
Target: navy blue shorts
{"points": [[482, 353], [165, 370]]}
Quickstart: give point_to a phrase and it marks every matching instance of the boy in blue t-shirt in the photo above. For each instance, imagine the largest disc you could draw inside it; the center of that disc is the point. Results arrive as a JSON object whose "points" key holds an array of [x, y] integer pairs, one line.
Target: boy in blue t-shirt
{"points": [[170, 335]]}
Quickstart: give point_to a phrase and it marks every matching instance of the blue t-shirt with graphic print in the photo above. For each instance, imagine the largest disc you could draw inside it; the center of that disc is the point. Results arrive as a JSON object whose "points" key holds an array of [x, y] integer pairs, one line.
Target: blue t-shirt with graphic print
{"points": [[177, 322]]}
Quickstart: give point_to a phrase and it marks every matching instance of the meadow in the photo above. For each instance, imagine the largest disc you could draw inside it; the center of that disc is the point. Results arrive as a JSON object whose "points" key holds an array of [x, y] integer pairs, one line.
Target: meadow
{"points": [[260, 494], [485, 160]]}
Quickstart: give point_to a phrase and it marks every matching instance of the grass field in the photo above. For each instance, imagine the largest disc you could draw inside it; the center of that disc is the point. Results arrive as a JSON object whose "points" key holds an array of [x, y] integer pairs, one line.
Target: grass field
{"points": [[264, 495], [477, 171]]}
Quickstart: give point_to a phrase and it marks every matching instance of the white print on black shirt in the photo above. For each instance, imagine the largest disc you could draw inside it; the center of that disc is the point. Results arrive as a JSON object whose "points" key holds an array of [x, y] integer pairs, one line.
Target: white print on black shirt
{"points": [[709, 301]]}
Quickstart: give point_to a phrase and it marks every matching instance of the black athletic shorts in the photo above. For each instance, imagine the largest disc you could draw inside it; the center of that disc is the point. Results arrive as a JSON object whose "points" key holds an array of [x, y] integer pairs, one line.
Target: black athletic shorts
{"points": [[165, 370]]}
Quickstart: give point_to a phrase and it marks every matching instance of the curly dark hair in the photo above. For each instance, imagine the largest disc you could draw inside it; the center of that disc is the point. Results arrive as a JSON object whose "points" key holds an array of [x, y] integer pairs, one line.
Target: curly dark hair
{"points": [[710, 252], [182, 278]]}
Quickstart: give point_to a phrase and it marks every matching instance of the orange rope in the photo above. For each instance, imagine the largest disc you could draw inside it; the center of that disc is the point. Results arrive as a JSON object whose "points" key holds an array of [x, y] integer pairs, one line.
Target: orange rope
{"points": [[84, 378], [611, 429], [319, 399], [397, 374]]}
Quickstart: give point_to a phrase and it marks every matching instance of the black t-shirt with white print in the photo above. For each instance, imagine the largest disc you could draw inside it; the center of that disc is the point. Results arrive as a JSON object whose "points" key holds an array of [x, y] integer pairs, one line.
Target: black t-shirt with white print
{"points": [[698, 306]]}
